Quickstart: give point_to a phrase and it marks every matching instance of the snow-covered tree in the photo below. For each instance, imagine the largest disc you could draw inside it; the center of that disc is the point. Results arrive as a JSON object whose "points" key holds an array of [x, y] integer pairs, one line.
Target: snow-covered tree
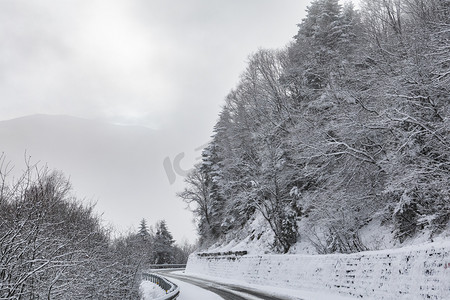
{"points": [[349, 123], [51, 243], [143, 229], [163, 244]]}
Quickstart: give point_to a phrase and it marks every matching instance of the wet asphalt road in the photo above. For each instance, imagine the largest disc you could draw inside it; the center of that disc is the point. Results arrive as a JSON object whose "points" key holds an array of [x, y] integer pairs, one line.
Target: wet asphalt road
{"points": [[226, 291]]}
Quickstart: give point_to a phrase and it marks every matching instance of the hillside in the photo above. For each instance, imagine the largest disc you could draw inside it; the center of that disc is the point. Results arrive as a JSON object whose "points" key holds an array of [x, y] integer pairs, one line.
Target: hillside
{"points": [[337, 143]]}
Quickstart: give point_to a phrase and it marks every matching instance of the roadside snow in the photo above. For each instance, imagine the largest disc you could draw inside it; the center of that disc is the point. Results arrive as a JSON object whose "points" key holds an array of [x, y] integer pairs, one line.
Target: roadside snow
{"points": [[150, 291]]}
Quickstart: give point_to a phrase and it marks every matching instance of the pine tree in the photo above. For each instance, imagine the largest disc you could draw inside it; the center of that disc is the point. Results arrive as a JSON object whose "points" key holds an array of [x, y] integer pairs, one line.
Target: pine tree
{"points": [[164, 250], [321, 26], [143, 230]]}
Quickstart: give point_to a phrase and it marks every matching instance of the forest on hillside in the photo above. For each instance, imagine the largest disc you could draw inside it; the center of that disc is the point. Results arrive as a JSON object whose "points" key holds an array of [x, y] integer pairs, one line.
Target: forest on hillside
{"points": [[54, 246], [347, 123]]}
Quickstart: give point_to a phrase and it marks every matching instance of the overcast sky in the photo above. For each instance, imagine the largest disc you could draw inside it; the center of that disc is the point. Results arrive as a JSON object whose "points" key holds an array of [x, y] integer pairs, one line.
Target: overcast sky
{"points": [[165, 65]]}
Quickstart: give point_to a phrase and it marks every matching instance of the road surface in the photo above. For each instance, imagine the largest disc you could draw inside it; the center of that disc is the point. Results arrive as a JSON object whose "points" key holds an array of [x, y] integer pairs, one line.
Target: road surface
{"points": [[191, 287]]}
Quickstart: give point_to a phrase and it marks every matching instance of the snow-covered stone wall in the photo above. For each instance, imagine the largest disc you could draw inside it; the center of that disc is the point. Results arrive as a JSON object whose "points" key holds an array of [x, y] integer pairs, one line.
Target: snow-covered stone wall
{"points": [[419, 272]]}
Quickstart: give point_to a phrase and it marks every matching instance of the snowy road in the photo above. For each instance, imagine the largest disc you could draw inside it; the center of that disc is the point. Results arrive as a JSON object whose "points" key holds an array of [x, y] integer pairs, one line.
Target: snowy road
{"points": [[193, 292], [194, 288]]}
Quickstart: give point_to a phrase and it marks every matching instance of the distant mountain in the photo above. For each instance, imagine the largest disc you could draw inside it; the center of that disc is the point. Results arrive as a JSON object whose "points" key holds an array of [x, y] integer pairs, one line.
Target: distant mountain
{"points": [[63, 140], [119, 167], [76, 145]]}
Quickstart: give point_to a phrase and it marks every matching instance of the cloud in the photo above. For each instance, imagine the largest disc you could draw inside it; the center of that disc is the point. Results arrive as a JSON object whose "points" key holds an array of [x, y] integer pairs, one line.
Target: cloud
{"points": [[115, 59], [90, 59]]}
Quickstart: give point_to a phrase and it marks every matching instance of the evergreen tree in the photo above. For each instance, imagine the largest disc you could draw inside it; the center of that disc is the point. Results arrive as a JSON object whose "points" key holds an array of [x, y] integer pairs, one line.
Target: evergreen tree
{"points": [[163, 243], [143, 230]]}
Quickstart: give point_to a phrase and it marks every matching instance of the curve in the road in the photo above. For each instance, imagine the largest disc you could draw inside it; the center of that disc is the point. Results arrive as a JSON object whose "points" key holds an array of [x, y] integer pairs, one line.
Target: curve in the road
{"points": [[222, 293], [227, 292]]}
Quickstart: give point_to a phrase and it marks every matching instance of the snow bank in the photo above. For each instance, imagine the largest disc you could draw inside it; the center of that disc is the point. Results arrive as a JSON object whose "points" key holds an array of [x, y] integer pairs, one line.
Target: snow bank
{"points": [[416, 272], [150, 290]]}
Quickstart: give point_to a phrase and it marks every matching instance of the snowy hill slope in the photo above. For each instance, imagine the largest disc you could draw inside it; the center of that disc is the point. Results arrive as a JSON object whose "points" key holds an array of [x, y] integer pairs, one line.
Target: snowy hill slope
{"points": [[257, 238]]}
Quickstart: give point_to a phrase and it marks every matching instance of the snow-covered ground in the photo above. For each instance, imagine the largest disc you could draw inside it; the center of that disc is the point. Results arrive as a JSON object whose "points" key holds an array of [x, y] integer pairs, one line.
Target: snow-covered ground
{"points": [[413, 272], [150, 291]]}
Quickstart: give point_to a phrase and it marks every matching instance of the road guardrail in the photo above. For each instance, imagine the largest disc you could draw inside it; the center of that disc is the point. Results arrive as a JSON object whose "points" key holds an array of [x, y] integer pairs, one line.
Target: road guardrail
{"points": [[167, 266], [171, 289]]}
